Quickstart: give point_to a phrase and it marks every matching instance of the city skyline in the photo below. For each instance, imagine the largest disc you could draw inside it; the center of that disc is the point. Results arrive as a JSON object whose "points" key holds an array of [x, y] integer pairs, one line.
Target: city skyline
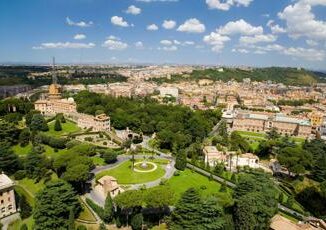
{"points": [[233, 32]]}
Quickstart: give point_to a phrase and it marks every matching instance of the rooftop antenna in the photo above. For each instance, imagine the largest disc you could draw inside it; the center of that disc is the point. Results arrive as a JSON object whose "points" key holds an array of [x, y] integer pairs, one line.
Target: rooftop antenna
{"points": [[54, 74]]}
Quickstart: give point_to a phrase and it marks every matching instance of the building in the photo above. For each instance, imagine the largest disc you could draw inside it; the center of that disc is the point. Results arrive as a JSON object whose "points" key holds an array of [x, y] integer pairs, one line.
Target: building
{"points": [[7, 196], [108, 185], [54, 106], [213, 156], [243, 160], [97, 123], [169, 92], [255, 122], [279, 222]]}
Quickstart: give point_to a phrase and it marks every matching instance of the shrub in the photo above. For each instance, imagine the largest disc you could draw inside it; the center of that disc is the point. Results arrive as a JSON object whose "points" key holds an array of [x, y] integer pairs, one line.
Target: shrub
{"points": [[176, 173], [20, 174]]}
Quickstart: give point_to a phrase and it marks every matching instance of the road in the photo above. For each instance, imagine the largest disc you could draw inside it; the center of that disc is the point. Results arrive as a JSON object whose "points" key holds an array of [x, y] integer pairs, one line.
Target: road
{"points": [[215, 128]]}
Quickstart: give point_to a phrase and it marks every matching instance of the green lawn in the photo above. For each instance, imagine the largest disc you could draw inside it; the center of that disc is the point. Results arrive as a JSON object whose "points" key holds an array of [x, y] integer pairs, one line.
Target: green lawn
{"points": [[261, 136], [86, 214], [68, 127], [23, 151], [188, 179], [125, 175], [17, 224], [247, 133]]}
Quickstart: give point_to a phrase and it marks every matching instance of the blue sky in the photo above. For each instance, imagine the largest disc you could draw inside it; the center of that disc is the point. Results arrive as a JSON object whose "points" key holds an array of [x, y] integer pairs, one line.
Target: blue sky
{"points": [[225, 32]]}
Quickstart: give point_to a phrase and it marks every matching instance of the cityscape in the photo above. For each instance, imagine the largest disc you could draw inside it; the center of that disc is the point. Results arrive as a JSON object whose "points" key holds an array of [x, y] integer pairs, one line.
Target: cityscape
{"points": [[190, 114]]}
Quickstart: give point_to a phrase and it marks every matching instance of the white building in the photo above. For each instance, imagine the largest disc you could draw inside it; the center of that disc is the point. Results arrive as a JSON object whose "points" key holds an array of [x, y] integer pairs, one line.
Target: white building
{"points": [[169, 91], [213, 156], [243, 160], [7, 196]]}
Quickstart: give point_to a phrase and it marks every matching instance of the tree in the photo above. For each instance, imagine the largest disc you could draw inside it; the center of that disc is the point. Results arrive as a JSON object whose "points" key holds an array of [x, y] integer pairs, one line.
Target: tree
{"points": [[23, 227], [38, 123], [77, 175], [108, 209], [137, 221], [25, 208], [181, 161], [290, 201], [109, 156], [9, 161], [102, 226], [24, 137], [223, 132], [238, 142], [53, 205], [81, 227], [186, 215], [281, 198], [211, 215], [295, 159], [35, 165], [57, 125], [71, 220], [272, 134], [8, 132], [63, 119]]}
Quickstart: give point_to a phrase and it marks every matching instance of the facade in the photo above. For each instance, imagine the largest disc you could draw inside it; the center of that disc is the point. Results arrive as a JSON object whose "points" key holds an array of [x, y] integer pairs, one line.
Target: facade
{"points": [[213, 156], [230, 159], [108, 185], [7, 196], [263, 122], [243, 160], [52, 107], [98, 123]]}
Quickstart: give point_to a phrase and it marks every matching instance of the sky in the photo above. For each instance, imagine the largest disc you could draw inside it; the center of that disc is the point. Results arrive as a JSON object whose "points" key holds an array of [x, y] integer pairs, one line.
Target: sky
{"points": [[212, 32]]}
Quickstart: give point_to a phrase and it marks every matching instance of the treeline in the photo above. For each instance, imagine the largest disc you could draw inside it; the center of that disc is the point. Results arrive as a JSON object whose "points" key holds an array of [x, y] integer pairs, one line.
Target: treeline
{"points": [[299, 102], [15, 75], [288, 76], [177, 127]]}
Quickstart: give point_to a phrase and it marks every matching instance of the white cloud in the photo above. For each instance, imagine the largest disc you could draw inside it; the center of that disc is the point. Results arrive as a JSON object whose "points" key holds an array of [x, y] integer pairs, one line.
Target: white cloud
{"points": [[244, 51], [276, 29], [112, 37], [139, 45], [79, 24], [169, 24], [80, 36], [311, 42], [166, 42], [133, 10], [64, 45], [112, 43], [226, 4], [192, 25], [188, 43], [240, 27], [119, 21], [216, 40], [258, 38], [301, 21], [168, 48], [152, 27], [307, 54]]}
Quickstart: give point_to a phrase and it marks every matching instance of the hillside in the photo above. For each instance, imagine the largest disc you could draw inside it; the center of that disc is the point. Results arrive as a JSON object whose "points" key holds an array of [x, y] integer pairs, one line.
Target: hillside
{"points": [[288, 76]]}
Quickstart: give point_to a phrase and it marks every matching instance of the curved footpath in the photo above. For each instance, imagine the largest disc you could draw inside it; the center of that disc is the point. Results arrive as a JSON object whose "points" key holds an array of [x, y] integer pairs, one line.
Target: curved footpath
{"points": [[169, 171]]}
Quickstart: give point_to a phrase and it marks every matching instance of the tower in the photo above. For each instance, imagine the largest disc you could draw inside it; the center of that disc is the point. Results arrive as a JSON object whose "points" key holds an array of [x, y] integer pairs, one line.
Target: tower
{"points": [[54, 88]]}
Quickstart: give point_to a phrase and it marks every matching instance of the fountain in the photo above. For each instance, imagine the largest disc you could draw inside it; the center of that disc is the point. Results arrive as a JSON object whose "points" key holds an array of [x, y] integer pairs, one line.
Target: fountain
{"points": [[144, 165]]}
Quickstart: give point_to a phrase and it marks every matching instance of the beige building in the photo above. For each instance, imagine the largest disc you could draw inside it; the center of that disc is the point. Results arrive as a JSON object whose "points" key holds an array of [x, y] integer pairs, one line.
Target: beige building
{"points": [[108, 185], [262, 123], [7, 196], [213, 156], [279, 222], [98, 123]]}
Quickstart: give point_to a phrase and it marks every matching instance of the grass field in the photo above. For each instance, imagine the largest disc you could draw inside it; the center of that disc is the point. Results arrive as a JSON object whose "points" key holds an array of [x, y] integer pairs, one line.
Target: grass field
{"points": [[261, 136], [188, 179], [17, 224], [68, 127], [125, 175], [23, 151], [86, 214]]}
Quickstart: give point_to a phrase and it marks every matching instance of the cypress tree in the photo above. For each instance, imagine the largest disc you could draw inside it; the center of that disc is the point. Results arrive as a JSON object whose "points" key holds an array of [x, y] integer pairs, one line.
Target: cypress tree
{"points": [[108, 209], [57, 125]]}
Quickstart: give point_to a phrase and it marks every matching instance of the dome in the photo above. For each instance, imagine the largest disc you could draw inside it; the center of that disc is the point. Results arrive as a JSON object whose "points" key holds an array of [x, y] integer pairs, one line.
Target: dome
{"points": [[54, 89]]}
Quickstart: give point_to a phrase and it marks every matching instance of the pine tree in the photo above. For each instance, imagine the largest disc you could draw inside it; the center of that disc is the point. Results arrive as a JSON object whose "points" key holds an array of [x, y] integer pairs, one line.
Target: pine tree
{"points": [[71, 220], [211, 215], [185, 215], [57, 125], [25, 208], [108, 209], [38, 123], [181, 161], [137, 221], [102, 226], [9, 161]]}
